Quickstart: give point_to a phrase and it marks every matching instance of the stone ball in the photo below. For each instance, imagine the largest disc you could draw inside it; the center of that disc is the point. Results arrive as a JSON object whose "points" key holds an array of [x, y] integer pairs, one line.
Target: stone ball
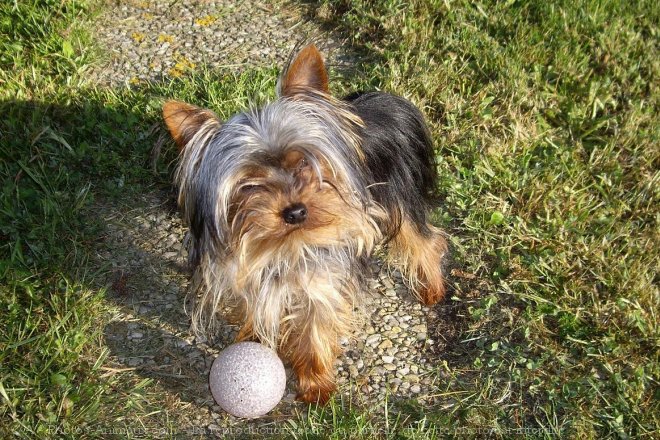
{"points": [[247, 379]]}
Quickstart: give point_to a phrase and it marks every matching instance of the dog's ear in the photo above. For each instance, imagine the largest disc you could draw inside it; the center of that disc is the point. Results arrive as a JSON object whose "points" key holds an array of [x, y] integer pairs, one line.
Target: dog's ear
{"points": [[184, 120], [307, 71]]}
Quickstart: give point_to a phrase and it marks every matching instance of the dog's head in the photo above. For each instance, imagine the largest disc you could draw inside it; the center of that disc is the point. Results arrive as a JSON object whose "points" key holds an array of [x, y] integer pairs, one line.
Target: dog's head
{"points": [[273, 182]]}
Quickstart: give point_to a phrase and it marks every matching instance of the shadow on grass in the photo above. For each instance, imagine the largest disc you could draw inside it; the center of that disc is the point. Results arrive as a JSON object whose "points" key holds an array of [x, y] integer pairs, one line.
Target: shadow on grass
{"points": [[70, 172], [81, 198]]}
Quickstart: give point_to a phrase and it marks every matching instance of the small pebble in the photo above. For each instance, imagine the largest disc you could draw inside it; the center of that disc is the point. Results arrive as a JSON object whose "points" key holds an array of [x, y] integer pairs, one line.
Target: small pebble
{"points": [[373, 339], [385, 344]]}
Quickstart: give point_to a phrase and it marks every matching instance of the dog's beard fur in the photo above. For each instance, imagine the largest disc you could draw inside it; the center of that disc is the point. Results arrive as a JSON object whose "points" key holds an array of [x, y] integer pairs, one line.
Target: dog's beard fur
{"points": [[294, 286]]}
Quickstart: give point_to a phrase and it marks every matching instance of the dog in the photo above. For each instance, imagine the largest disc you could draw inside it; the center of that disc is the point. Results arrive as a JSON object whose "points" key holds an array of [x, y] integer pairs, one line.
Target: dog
{"points": [[285, 204]]}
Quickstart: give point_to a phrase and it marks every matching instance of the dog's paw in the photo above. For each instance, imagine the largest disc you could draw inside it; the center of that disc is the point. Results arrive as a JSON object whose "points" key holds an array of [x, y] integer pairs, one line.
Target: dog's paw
{"points": [[316, 394]]}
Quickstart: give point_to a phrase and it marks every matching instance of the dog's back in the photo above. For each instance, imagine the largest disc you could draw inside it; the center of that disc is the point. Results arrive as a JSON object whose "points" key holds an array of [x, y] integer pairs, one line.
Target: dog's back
{"points": [[399, 156]]}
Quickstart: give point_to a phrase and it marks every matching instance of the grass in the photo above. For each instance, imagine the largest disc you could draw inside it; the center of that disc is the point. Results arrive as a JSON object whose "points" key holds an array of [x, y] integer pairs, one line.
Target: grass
{"points": [[546, 120], [51, 354]]}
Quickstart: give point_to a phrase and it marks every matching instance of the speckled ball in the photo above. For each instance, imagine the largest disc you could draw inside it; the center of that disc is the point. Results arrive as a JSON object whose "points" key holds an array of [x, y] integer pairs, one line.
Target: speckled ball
{"points": [[247, 379]]}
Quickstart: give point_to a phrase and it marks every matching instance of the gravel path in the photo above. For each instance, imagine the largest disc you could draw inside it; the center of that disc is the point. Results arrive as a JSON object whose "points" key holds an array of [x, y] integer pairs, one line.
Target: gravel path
{"points": [[145, 264], [152, 40], [141, 253]]}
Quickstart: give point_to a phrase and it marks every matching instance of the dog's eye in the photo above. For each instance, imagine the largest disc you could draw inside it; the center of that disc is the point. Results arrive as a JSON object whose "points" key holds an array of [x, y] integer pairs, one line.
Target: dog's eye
{"points": [[302, 164], [249, 188]]}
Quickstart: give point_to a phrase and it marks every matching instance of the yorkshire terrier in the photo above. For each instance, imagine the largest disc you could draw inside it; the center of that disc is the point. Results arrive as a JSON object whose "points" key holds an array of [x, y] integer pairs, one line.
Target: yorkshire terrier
{"points": [[286, 203]]}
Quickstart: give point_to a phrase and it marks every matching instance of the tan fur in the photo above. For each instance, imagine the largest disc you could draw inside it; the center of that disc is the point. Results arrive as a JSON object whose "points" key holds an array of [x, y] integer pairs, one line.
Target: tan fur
{"points": [[259, 228], [307, 71], [419, 258], [264, 238], [185, 120]]}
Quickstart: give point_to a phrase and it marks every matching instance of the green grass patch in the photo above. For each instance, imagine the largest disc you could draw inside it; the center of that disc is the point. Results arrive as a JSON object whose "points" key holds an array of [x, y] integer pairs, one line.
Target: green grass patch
{"points": [[52, 165], [546, 121]]}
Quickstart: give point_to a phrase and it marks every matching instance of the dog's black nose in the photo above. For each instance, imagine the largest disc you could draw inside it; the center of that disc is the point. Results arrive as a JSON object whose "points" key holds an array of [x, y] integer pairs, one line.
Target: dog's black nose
{"points": [[294, 214]]}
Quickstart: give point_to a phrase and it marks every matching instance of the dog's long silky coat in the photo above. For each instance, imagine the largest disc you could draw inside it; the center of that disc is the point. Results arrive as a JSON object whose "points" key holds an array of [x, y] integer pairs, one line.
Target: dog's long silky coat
{"points": [[285, 204]]}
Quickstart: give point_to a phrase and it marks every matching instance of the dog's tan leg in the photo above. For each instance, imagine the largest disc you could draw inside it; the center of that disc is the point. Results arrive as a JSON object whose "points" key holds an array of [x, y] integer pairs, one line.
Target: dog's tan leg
{"points": [[312, 357], [420, 259], [312, 339]]}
